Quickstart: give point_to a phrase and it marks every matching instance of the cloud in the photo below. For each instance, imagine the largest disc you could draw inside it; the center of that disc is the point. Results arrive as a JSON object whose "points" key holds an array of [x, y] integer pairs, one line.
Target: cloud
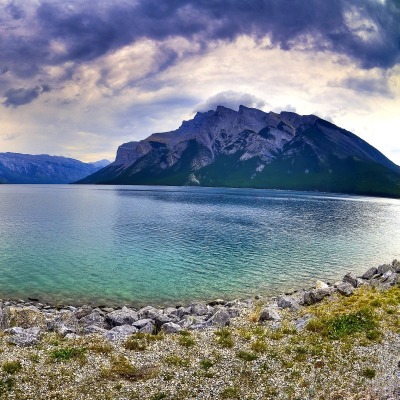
{"points": [[366, 85], [21, 96], [42, 33], [231, 99]]}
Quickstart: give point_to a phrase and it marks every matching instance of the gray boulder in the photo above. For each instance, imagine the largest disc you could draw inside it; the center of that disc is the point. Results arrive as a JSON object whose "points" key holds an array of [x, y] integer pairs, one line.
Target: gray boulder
{"points": [[171, 327], [308, 298], [220, 318], [120, 332], [287, 302], [83, 311], [350, 278], [148, 328], [3, 316], [23, 337], [125, 316], [269, 314], [396, 265], [94, 318], [389, 279], [188, 320], [369, 273], [149, 312], [345, 288], [384, 268], [233, 312], [199, 309], [90, 329], [142, 322]]}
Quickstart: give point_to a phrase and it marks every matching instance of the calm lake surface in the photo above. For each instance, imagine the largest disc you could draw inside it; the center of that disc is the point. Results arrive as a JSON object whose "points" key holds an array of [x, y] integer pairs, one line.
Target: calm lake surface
{"points": [[141, 245]]}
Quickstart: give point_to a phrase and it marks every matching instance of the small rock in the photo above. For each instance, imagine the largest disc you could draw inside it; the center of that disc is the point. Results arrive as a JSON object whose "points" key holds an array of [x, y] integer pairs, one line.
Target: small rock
{"points": [[302, 322], [321, 285], [72, 336], [345, 288], [389, 279], [171, 327], [269, 314], [369, 273], [23, 337], [125, 316], [320, 294], [220, 318], [217, 302], [120, 332]]}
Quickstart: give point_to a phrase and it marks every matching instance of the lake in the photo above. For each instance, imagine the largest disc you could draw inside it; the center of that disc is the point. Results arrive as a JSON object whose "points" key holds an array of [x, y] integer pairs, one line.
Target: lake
{"points": [[137, 245]]}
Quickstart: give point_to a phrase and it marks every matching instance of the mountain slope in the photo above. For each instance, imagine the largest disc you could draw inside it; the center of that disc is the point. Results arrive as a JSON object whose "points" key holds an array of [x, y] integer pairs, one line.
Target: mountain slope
{"points": [[251, 148], [27, 168]]}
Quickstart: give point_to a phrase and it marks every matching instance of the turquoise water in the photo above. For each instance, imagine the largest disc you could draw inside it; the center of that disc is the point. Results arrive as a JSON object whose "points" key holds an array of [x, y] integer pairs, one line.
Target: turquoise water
{"points": [[170, 245]]}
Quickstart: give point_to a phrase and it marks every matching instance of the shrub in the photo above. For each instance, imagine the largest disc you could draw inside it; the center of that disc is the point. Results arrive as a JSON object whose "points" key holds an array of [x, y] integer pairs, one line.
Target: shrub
{"points": [[259, 346], [12, 367], [369, 373], [246, 356], [206, 363], [224, 337], [186, 341], [67, 353], [344, 325]]}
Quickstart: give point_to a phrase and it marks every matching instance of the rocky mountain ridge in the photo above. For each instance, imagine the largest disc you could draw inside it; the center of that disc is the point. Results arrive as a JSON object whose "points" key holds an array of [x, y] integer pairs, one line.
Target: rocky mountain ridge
{"points": [[252, 148], [27, 168]]}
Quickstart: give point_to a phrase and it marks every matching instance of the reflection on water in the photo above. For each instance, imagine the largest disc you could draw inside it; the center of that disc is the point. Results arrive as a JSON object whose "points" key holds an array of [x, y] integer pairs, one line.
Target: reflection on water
{"points": [[136, 245]]}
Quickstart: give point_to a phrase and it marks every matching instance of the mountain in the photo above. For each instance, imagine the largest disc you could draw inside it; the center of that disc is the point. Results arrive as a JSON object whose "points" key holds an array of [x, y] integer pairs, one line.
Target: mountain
{"points": [[252, 148], [27, 168]]}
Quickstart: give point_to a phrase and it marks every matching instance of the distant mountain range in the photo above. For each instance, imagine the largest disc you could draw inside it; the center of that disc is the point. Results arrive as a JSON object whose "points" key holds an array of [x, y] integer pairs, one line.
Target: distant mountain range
{"points": [[252, 148], [27, 168]]}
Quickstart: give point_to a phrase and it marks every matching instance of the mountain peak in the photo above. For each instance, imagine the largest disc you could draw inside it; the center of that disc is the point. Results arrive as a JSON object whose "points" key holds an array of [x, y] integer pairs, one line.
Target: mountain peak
{"points": [[253, 148]]}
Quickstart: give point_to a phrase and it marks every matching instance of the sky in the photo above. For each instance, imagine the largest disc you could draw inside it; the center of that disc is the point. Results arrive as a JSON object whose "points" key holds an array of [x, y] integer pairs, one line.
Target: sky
{"points": [[78, 78]]}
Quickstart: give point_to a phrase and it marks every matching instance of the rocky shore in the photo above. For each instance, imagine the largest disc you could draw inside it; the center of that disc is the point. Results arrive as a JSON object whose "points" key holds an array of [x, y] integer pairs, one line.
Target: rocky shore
{"points": [[27, 325]]}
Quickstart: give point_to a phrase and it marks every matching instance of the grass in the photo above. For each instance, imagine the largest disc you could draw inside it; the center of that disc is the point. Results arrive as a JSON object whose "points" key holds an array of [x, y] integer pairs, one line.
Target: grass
{"points": [[121, 368], [246, 356], [368, 373], [67, 353], [224, 337], [176, 361], [186, 339], [206, 364], [140, 341], [11, 367]]}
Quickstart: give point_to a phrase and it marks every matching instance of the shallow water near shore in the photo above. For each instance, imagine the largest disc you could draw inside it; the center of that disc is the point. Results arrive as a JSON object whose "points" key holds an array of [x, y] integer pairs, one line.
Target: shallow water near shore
{"points": [[140, 245]]}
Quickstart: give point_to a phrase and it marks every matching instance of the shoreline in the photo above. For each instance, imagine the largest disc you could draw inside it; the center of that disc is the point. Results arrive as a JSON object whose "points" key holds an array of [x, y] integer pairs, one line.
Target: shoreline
{"points": [[75, 320], [331, 342]]}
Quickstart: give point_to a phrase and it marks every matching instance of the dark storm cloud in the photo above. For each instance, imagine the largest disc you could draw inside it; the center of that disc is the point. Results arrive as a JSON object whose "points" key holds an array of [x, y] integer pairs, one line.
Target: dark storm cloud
{"points": [[367, 31], [21, 96], [372, 86]]}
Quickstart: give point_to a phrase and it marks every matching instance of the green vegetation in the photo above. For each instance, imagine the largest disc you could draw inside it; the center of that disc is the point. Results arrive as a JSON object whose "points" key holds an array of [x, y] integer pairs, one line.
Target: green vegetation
{"points": [[246, 356], [206, 364], [369, 373], [224, 337], [12, 367], [67, 353], [186, 339], [121, 368]]}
